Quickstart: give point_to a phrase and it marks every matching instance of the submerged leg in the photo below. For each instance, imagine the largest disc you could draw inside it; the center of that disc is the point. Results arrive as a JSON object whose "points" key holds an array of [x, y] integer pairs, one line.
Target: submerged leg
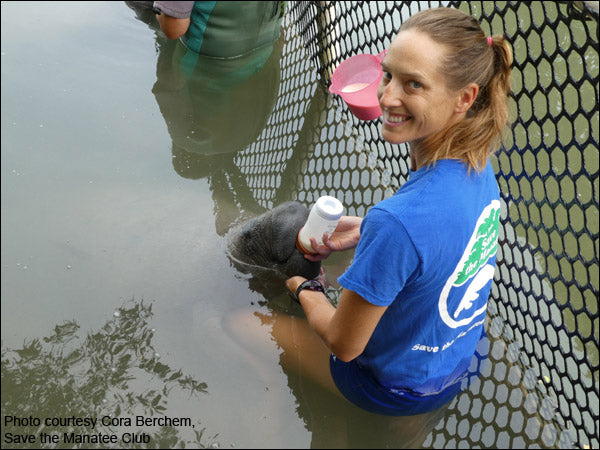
{"points": [[301, 349], [336, 423]]}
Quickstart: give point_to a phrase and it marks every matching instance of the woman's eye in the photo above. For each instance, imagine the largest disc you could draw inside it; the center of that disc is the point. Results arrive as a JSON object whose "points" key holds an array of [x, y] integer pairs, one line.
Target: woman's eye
{"points": [[415, 84], [387, 76]]}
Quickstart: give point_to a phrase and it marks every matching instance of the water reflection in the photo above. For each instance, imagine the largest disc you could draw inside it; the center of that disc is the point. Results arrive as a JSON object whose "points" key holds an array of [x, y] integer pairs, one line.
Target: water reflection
{"points": [[110, 376], [213, 110]]}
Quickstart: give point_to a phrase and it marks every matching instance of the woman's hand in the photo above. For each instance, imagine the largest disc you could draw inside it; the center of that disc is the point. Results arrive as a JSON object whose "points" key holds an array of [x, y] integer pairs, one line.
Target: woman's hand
{"points": [[345, 237]]}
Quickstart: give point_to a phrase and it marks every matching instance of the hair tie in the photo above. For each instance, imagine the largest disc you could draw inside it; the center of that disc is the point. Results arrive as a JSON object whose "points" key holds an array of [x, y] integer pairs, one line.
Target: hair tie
{"points": [[489, 40]]}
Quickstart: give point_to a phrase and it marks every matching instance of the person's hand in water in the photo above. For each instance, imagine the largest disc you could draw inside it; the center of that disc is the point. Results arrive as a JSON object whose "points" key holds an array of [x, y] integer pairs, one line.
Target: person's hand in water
{"points": [[345, 237]]}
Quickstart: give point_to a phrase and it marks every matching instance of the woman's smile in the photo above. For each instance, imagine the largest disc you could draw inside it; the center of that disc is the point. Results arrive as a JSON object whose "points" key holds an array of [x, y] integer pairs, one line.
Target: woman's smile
{"points": [[394, 120]]}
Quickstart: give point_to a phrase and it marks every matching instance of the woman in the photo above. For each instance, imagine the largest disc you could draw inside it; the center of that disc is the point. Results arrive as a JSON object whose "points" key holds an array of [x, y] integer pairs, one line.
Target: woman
{"points": [[413, 305]]}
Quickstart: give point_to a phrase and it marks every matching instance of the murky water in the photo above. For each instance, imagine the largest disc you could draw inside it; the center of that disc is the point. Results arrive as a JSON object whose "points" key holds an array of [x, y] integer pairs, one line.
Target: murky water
{"points": [[96, 216]]}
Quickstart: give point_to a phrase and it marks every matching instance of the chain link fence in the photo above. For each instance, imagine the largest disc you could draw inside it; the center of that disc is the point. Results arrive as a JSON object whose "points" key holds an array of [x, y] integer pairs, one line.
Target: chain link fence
{"points": [[540, 387]]}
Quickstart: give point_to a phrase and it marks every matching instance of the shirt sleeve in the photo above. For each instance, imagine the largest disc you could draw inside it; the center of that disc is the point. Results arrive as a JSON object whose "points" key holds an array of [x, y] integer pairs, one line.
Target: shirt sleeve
{"points": [[179, 10], [385, 259]]}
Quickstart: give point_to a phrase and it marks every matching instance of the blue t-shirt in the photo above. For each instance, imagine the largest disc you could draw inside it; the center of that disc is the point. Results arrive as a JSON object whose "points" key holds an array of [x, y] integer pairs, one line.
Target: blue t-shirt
{"points": [[428, 253]]}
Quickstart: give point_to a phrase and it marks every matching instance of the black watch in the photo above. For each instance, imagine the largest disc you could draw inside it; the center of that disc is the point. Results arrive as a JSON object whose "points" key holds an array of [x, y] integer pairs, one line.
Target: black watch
{"points": [[311, 285]]}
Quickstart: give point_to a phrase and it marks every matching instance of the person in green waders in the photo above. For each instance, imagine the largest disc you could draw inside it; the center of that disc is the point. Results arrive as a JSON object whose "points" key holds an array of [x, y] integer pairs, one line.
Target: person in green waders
{"points": [[222, 30], [218, 74]]}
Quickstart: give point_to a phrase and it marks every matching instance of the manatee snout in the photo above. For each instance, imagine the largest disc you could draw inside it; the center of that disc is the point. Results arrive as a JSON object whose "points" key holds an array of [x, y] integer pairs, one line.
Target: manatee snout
{"points": [[269, 242]]}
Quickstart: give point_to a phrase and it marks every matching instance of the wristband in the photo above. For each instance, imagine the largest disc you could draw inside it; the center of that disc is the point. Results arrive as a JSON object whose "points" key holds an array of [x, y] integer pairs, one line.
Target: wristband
{"points": [[311, 285]]}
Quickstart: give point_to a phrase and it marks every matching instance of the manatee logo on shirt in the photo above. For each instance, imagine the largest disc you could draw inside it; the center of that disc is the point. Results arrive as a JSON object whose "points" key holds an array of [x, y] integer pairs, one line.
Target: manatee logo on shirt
{"points": [[473, 268]]}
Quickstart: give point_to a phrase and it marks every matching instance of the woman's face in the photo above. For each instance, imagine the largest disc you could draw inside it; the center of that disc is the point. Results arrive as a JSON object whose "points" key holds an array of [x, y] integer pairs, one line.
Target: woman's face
{"points": [[412, 94]]}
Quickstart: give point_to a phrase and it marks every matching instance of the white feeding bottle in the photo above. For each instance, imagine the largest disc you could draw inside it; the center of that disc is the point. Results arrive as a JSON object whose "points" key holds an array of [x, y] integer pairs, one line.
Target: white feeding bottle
{"points": [[323, 218]]}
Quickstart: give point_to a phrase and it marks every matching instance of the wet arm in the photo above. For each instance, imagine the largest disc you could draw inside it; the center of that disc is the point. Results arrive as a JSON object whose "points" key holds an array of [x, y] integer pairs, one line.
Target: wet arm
{"points": [[172, 27], [175, 16], [346, 330]]}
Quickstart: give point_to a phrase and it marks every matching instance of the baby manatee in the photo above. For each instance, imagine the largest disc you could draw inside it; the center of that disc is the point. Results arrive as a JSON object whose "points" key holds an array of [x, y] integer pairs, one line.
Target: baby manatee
{"points": [[267, 243]]}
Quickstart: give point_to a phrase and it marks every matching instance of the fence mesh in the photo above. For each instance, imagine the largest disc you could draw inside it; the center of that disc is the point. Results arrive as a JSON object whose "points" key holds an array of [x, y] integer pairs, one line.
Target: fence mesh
{"points": [[541, 388]]}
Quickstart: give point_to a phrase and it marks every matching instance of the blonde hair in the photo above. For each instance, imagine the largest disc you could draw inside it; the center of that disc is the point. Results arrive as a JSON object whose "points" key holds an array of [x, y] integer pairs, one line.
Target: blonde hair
{"points": [[471, 57]]}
